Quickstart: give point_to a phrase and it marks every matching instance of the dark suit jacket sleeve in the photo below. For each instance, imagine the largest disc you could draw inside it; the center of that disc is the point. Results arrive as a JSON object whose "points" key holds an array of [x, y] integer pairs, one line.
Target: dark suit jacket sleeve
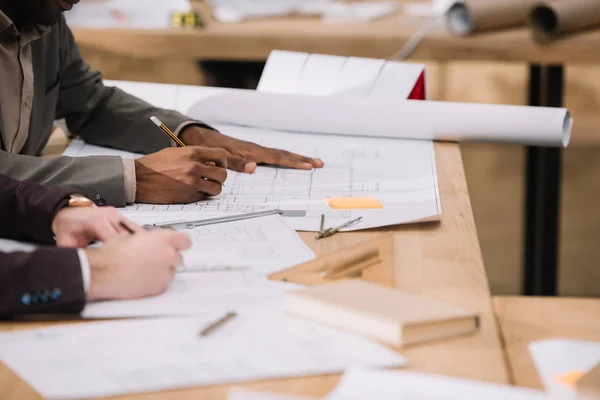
{"points": [[106, 116], [44, 281], [27, 210]]}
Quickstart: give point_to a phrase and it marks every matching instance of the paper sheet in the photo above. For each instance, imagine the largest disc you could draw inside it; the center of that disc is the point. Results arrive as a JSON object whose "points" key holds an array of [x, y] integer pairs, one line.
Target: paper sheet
{"points": [[401, 174], [233, 11], [125, 14], [198, 293], [360, 384], [263, 245], [243, 394], [116, 358], [408, 119], [559, 357]]}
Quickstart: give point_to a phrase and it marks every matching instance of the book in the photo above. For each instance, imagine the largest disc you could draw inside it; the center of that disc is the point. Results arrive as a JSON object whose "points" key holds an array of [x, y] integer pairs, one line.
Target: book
{"points": [[390, 315]]}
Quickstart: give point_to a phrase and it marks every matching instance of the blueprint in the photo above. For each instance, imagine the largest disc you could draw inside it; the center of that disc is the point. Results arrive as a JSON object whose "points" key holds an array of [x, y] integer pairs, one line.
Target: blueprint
{"points": [[263, 245], [401, 174]]}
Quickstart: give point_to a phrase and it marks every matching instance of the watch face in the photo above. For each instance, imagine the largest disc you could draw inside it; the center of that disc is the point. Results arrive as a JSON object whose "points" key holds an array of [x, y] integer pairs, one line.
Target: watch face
{"points": [[78, 200]]}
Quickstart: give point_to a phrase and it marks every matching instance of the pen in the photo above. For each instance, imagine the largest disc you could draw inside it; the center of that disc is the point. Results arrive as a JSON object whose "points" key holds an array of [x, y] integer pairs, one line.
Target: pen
{"points": [[212, 327], [174, 137]]}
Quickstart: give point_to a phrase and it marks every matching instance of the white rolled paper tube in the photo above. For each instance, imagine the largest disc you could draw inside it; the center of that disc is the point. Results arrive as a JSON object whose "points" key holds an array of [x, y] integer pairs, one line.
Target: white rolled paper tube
{"points": [[408, 119]]}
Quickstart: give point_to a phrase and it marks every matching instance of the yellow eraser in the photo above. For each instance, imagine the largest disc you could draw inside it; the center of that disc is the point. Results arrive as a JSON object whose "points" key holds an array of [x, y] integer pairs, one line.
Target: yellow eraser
{"points": [[353, 203], [570, 379]]}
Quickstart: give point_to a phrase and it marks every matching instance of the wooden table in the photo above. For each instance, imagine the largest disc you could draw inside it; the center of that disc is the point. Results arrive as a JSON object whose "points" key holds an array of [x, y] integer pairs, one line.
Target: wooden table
{"points": [[440, 260], [255, 39], [526, 319]]}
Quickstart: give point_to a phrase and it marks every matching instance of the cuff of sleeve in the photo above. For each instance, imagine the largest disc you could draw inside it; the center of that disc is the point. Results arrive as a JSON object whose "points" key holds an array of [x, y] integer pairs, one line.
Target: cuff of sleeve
{"points": [[130, 182], [185, 124], [86, 273]]}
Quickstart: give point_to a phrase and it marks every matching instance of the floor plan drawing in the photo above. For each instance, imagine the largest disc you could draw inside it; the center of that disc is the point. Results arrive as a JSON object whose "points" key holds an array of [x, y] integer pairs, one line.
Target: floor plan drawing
{"points": [[401, 174]]}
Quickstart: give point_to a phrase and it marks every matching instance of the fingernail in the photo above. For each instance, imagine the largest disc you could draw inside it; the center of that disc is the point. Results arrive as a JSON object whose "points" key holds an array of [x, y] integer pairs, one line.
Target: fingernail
{"points": [[250, 167]]}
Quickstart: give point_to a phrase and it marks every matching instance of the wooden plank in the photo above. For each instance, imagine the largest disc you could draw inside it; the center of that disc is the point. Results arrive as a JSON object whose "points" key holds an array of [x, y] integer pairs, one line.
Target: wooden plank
{"points": [[526, 319], [441, 260]]}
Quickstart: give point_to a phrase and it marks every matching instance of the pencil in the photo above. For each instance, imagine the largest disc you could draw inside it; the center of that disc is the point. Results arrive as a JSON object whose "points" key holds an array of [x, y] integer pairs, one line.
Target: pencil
{"points": [[170, 134], [167, 131], [212, 327], [124, 226]]}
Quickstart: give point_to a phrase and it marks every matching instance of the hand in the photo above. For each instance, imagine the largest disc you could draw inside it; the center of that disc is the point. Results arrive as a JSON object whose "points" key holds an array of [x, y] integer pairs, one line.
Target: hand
{"points": [[180, 175], [135, 266], [79, 226], [243, 156]]}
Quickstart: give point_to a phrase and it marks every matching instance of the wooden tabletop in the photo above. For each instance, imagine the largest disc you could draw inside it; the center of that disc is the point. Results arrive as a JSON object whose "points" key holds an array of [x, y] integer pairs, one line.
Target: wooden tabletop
{"points": [[527, 319], [440, 260], [255, 39]]}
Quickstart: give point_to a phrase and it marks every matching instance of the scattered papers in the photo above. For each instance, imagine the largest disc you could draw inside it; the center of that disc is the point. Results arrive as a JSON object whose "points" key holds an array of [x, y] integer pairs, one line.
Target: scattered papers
{"points": [[349, 203], [263, 245], [198, 293], [125, 14], [558, 361], [116, 358], [233, 11], [360, 384]]}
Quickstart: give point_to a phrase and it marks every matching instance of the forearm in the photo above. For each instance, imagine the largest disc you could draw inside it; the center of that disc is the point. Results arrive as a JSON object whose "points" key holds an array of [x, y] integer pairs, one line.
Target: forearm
{"points": [[94, 177], [48, 280], [27, 210]]}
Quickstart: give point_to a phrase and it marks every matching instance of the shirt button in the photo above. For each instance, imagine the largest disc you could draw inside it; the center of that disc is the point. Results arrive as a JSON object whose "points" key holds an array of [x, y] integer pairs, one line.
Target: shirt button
{"points": [[26, 299], [56, 294]]}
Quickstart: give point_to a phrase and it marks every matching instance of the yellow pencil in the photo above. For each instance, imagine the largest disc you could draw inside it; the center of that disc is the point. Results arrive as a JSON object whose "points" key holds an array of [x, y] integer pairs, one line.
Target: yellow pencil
{"points": [[166, 130]]}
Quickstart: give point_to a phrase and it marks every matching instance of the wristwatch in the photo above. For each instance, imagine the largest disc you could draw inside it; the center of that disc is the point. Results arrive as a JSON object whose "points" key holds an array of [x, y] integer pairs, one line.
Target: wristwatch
{"points": [[79, 200]]}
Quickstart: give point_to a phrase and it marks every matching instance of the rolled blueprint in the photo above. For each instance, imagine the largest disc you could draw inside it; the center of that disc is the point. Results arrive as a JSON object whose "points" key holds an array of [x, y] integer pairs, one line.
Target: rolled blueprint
{"points": [[551, 18], [409, 119], [472, 16]]}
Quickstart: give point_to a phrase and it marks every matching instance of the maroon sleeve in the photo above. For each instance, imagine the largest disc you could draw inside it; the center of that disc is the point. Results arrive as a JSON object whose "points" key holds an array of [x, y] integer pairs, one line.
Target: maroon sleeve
{"points": [[45, 281], [27, 210]]}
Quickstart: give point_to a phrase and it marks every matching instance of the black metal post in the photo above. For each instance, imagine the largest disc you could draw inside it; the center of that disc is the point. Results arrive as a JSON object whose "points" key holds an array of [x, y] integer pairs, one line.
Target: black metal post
{"points": [[542, 187]]}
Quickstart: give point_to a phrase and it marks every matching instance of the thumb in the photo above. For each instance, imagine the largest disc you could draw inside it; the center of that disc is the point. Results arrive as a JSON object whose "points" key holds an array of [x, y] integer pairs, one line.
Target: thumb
{"points": [[240, 164]]}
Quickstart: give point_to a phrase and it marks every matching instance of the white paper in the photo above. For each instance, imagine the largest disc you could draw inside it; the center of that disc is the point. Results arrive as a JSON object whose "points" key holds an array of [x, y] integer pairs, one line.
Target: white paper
{"points": [[558, 357], [318, 74], [198, 293], [360, 384], [117, 358], [401, 174], [244, 394], [125, 14], [263, 245], [233, 11], [392, 118]]}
